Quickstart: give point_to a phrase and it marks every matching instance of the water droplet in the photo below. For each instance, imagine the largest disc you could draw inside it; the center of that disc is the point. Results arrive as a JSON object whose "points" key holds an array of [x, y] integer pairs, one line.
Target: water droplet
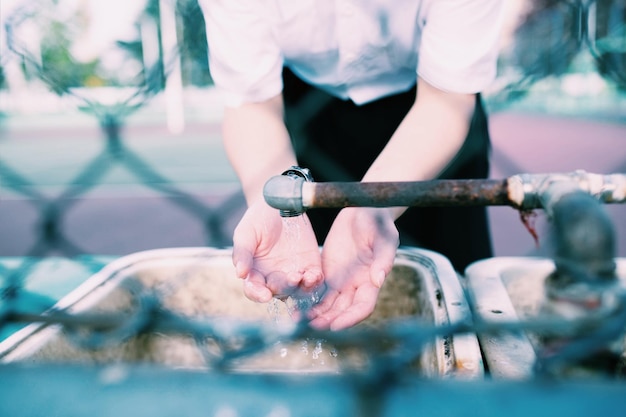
{"points": [[318, 349], [273, 310]]}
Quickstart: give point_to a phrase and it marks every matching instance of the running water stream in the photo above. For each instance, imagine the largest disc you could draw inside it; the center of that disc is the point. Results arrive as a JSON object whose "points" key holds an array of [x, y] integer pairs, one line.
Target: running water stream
{"points": [[299, 302]]}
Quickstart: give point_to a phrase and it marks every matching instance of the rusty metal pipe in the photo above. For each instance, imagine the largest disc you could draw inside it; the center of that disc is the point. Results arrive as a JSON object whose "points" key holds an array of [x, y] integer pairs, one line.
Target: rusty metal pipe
{"points": [[524, 191], [435, 193]]}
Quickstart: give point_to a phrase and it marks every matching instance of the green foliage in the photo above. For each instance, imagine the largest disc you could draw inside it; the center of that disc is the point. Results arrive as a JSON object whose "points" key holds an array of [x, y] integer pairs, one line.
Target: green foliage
{"points": [[61, 70]]}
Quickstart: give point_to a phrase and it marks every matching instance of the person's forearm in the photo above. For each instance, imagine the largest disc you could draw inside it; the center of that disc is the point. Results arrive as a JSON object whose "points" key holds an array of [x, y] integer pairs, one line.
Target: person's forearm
{"points": [[257, 144], [428, 138]]}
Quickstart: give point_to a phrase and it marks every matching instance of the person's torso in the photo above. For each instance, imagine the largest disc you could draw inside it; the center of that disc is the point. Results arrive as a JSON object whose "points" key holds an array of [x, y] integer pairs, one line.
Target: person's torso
{"points": [[353, 49]]}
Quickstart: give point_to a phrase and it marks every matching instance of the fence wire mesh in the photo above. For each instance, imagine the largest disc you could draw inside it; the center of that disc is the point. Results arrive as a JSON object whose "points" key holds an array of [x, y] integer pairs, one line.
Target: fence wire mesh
{"points": [[127, 323], [49, 60], [390, 350]]}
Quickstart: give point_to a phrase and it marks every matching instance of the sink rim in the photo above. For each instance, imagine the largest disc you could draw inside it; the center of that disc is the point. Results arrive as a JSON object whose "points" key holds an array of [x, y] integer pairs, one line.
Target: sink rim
{"points": [[509, 355], [451, 299]]}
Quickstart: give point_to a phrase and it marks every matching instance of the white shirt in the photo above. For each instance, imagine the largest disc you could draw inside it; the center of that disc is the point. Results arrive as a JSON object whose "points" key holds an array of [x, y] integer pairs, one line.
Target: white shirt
{"points": [[354, 49]]}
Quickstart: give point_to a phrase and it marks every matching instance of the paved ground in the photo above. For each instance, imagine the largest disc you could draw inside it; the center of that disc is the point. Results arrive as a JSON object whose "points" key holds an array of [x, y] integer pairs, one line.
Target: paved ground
{"points": [[537, 143], [121, 216]]}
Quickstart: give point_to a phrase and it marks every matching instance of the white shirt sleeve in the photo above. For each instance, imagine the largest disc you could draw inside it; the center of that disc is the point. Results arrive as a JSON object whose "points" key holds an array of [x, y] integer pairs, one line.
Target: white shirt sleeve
{"points": [[244, 59], [460, 44]]}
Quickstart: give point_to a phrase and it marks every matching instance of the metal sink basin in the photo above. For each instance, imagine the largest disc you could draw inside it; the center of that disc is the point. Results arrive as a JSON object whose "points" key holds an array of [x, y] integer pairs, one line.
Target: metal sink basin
{"points": [[200, 283], [510, 289]]}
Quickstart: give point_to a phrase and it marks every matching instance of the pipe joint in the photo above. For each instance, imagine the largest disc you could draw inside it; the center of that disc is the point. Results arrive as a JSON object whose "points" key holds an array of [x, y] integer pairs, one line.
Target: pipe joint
{"points": [[531, 191], [284, 191]]}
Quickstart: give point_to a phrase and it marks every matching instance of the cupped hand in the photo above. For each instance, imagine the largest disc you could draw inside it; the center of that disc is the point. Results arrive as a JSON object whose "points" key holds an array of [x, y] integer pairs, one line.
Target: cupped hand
{"points": [[358, 254], [275, 256]]}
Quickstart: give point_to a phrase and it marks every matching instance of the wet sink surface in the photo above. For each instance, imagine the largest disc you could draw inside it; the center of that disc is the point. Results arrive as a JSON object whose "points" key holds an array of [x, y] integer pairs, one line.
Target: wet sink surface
{"points": [[199, 283], [508, 289]]}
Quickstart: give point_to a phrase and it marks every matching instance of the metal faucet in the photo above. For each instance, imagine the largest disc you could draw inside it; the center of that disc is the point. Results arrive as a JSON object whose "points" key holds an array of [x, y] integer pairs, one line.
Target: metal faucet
{"points": [[283, 191], [584, 282], [524, 192]]}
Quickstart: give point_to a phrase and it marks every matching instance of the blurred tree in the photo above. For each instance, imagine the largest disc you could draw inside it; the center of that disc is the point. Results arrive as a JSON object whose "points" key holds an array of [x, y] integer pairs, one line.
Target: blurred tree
{"points": [[2, 79], [545, 44], [192, 48], [553, 32], [609, 40], [61, 70], [193, 42]]}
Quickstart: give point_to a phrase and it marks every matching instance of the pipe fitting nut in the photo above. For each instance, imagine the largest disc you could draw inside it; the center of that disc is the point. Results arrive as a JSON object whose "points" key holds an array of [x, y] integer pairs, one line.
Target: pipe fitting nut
{"points": [[296, 172]]}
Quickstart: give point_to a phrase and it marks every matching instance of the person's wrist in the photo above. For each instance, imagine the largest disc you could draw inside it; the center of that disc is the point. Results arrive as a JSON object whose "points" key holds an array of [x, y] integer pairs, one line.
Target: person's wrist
{"points": [[388, 213], [395, 212]]}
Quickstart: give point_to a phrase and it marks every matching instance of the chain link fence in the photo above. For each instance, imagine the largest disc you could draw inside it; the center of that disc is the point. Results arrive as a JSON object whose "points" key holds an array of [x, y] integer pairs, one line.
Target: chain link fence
{"points": [[545, 45], [48, 55], [557, 39], [126, 350]]}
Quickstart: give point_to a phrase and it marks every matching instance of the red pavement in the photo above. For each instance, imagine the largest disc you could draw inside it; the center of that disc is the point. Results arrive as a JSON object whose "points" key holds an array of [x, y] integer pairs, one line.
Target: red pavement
{"points": [[534, 143]]}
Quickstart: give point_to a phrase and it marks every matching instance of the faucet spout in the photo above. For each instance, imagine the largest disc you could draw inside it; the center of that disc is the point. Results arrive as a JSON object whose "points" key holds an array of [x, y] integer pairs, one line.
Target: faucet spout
{"points": [[284, 192]]}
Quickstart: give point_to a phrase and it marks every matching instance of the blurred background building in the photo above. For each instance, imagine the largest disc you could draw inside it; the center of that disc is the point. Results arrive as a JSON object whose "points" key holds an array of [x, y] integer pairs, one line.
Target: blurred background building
{"points": [[110, 127]]}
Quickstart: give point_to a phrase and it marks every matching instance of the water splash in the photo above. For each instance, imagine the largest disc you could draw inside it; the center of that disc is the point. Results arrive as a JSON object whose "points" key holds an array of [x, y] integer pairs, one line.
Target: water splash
{"points": [[274, 310], [303, 301], [318, 349], [293, 233], [299, 302], [282, 349]]}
